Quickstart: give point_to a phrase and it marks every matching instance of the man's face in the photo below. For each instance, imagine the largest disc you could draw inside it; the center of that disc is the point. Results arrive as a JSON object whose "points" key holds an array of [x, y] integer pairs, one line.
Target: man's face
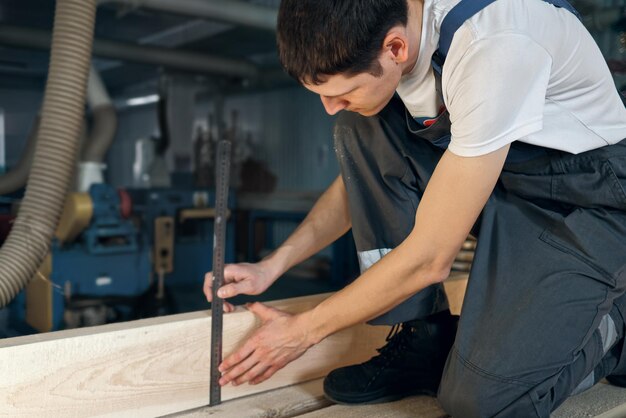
{"points": [[364, 93]]}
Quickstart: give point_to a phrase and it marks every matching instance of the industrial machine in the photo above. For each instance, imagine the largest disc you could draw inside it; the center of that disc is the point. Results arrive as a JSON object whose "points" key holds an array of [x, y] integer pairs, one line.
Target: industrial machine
{"points": [[117, 253], [180, 224]]}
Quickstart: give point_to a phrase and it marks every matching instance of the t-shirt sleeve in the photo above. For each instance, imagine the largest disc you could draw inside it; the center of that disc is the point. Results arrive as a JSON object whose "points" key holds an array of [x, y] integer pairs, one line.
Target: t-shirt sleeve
{"points": [[495, 93]]}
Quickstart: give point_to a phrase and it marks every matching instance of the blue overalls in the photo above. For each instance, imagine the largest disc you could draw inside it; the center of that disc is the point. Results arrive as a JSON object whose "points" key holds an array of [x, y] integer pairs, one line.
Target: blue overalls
{"points": [[541, 317]]}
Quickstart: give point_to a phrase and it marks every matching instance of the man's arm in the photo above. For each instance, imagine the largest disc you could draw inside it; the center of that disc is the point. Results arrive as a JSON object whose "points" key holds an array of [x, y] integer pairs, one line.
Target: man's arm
{"points": [[454, 197], [326, 222]]}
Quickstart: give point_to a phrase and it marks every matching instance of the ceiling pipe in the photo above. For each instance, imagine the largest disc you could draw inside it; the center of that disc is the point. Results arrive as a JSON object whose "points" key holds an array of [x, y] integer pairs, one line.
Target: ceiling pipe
{"points": [[181, 60], [231, 11]]}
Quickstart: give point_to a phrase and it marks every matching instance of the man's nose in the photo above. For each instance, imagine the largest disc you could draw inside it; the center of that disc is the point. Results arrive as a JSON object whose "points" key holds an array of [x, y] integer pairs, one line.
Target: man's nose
{"points": [[333, 105]]}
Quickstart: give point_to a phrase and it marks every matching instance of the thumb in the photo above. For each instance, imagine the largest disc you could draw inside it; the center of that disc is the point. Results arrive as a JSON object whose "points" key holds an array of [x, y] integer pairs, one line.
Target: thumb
{"points": [[264, 312], [233, 289]]}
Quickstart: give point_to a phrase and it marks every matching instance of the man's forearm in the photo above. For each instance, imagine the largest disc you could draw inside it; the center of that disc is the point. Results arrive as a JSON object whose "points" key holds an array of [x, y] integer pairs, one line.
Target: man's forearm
{"points": [[425, 256], [326, 222]]}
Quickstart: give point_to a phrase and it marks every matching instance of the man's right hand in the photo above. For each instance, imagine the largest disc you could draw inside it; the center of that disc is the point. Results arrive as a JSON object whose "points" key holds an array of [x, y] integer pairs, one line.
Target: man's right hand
{"points": [[240, 279]]}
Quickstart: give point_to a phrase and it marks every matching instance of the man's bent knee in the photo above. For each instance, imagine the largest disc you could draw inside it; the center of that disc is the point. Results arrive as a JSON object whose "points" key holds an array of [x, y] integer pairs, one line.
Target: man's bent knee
{"points": [[466, 391]]}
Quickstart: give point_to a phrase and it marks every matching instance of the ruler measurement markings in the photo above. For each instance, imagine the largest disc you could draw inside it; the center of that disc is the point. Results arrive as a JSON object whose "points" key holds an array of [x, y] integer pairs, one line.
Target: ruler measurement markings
{"points": [[219, 242]]}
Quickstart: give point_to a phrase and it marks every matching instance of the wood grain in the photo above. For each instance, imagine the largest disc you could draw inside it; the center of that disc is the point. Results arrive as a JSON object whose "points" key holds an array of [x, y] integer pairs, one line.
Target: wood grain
{"points": [[151, 367], [287, 402], [412, 407]]}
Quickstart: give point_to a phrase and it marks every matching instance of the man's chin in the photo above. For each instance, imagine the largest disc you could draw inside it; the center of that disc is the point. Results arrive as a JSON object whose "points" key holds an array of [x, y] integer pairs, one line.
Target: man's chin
{"points": [[369, 112], [373, 111]]}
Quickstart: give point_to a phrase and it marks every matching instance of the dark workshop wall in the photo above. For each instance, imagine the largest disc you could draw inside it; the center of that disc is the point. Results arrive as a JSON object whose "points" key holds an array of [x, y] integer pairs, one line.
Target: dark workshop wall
{"points": [[20, 108], [292, 133], [289, 127]]}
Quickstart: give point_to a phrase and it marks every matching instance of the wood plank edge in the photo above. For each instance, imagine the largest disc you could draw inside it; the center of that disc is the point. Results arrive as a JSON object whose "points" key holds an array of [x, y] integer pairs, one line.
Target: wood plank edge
{"points": [[147, 322]]}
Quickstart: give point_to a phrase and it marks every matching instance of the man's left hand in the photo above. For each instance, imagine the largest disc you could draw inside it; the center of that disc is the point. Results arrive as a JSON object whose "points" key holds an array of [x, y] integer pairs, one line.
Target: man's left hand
{"points": [[281, 339]]}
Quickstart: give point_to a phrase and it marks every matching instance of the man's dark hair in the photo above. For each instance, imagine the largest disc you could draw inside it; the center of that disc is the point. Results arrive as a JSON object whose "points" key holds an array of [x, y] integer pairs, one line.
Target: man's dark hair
{"points": [[328, 37]]}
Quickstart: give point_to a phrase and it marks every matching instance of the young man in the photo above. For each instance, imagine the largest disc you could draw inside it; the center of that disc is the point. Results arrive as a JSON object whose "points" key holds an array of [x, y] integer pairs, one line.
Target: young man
{"points": [[505, 123]]}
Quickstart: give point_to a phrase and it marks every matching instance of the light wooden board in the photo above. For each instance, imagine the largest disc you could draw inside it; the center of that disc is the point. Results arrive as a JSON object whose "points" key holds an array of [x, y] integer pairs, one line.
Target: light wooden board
{"points": [[307, 401], [412, 407], [287, 402], [599, 401], [151, 367], [617, 412]]}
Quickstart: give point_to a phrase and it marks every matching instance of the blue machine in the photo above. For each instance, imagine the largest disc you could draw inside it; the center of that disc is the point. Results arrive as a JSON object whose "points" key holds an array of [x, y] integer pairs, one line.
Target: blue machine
{"points": [[191, 211], [109, 258], [108, 263], [110, 271], [109, 232]]}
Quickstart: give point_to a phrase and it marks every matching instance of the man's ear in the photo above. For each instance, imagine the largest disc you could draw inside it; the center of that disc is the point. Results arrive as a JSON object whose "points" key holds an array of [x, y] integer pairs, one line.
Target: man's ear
{"points": [[396, 45]]}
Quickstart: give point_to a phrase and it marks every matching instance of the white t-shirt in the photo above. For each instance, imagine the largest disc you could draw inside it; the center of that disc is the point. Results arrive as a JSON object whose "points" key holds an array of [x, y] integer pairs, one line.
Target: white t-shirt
{"points": [[519, 70]]}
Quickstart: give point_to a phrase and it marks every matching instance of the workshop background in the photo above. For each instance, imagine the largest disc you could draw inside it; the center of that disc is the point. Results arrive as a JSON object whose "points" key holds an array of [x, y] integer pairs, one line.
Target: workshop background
{"points": [[169, 81]]}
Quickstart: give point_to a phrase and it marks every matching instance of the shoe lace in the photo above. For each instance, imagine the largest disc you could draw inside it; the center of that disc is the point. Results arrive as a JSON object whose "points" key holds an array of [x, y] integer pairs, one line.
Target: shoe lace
{"points": [[396, 342]]}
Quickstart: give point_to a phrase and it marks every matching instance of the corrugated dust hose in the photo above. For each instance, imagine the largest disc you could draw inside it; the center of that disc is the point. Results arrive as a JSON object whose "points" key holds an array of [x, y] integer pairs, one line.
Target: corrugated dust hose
{"points": [[57, 144]]}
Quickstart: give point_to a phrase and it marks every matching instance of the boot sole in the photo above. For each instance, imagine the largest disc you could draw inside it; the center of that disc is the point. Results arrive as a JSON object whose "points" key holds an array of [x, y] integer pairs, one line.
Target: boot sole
{"points": [[374, 398]]}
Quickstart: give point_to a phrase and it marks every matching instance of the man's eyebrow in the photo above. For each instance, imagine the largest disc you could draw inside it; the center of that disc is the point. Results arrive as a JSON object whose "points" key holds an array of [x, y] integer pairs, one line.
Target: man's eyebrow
{"points": [[342, 94]]}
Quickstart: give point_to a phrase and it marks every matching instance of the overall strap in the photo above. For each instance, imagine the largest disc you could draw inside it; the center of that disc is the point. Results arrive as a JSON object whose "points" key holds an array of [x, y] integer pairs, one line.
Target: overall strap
{"points": [[464, 10]]}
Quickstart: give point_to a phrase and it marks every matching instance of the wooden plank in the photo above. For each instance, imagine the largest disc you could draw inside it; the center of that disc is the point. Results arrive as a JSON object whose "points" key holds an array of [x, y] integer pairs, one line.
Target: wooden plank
{"points": [[411, 407], [287, 402], [617, 412], [151, 367], [603, 400]]}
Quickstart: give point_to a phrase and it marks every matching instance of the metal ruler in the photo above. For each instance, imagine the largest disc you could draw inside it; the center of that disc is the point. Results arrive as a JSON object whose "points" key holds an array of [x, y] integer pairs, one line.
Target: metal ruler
{"points": [[222, 172]]}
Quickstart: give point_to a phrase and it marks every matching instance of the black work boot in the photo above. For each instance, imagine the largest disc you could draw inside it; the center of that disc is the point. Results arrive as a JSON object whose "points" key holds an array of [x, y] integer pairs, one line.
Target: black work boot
{"points": [[410, 363]]}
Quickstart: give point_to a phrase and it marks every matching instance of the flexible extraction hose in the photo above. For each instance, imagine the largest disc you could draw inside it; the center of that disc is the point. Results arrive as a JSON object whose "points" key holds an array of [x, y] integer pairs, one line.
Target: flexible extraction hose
{"points": [[16, 178], [95, 147], [56, 149], [101, 135], [104, 120]]}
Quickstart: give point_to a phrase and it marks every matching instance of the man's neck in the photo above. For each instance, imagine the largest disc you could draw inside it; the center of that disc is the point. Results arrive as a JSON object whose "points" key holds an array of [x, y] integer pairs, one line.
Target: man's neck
{"points": [[414, 31]]}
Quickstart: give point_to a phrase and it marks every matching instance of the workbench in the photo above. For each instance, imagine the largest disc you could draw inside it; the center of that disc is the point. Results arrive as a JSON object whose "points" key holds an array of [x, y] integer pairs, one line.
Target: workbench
{"points": [[307, 400], [160, 366]]}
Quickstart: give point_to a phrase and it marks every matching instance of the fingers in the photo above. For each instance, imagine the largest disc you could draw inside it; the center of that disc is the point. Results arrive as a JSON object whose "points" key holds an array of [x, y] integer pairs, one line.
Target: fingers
{"points": [[208, 286], [266, 375], [254, 372], [239, 370], [208, 292], [249, 370], [270, 348], [237, 363], [237, 357], [238, 279], [234, 289], [208, 280], [234, 275]]}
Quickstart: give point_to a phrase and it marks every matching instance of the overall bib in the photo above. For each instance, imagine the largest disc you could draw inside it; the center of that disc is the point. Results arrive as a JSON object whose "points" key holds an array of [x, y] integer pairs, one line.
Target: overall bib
{"points": [[540, 318]]}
